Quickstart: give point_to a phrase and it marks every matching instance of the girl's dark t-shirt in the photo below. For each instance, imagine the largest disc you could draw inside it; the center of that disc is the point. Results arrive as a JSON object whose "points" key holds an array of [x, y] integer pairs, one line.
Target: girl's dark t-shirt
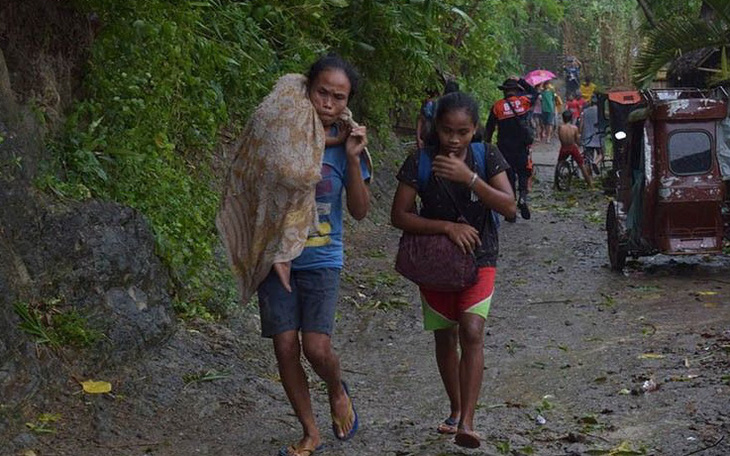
{"points": [[436, 203]]}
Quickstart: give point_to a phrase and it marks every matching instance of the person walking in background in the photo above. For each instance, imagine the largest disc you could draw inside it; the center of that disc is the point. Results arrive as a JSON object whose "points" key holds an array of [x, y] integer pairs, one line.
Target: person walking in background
{"points": [[548, 112], [590, 136], [509, 115], [559, 106], [575, 105], [587, 89], [535, 114], [454, 183], [572, 74], [424, 124]]}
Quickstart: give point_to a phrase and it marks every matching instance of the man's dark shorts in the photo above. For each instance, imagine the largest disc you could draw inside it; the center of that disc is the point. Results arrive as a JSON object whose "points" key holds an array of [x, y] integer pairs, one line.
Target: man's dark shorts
{"points": [[310, 307], [548, 117]]}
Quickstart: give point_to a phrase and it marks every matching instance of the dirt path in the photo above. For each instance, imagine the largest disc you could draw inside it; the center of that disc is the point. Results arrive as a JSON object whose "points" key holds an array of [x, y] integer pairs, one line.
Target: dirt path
{"points": [[567, 340]]}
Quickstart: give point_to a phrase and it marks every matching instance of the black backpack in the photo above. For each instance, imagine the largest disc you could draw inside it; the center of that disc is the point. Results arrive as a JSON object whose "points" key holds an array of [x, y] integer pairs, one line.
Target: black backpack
{"points": [[526, 131]]}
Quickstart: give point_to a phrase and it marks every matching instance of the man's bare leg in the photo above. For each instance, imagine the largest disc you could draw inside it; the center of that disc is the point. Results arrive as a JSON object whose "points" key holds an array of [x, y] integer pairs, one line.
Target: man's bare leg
{"points": [[294, 379], [318, 350]]}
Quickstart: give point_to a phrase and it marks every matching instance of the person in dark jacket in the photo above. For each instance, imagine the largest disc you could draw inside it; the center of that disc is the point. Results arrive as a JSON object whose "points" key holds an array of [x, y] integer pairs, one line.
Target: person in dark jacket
{"points": [[505, 116]]}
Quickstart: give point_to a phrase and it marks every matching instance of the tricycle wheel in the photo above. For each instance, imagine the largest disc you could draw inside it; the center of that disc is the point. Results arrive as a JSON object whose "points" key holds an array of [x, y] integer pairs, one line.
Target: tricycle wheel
{"points": [[563, 175], [616, 240]]}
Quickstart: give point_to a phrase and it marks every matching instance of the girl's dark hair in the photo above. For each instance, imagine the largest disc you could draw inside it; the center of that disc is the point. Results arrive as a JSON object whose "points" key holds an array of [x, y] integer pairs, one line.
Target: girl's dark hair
{"points": [[452, 102], [333, 61], [457, 100], [450, 87]]}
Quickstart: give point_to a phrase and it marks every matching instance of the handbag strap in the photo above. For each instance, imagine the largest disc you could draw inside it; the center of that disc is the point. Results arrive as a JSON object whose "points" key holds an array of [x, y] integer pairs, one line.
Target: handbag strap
{"points": [[446, 188]]}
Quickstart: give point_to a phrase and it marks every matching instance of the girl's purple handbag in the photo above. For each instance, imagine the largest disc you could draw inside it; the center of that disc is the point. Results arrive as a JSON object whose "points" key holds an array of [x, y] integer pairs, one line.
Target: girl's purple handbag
{"points": [[434, 262]]}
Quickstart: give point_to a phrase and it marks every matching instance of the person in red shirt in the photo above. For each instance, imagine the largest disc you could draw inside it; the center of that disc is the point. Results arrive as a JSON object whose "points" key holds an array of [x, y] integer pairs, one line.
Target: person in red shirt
{"points": [[575, 105]]}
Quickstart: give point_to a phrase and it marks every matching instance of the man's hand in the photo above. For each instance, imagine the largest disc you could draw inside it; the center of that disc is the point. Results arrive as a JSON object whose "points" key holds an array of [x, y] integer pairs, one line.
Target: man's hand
{"points": [[356, 142]]}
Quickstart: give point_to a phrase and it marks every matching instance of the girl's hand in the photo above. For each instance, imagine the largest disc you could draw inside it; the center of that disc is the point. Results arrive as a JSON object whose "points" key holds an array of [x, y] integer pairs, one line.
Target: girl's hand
{"points": [[465, 236], [452, 168], [356, 142]]}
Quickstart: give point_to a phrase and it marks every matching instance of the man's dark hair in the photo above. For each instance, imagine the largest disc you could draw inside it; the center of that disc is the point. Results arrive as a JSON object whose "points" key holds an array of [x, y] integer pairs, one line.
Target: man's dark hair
{"points": [[567, 116], [333, 61], [457, 100]]}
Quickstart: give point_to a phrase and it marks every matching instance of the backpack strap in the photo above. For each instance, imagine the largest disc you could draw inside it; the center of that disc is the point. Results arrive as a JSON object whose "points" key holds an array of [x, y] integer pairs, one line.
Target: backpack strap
{"points": [[424, 169], [479, 152], [480, 159], [424, 164]]}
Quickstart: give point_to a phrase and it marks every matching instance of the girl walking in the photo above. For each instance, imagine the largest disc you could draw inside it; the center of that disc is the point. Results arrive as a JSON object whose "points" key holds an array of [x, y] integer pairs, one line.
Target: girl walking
{"points": [[457, 318]]}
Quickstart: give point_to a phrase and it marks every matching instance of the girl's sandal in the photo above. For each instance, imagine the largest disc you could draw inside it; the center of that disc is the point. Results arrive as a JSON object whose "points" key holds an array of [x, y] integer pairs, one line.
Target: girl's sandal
{"points": [[448, 426]]}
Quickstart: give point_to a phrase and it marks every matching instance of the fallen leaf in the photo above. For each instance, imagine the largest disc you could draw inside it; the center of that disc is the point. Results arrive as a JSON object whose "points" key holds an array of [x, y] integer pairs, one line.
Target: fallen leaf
{"points": [[29, 453], [706, 293], [96, 387], [651, 356]]}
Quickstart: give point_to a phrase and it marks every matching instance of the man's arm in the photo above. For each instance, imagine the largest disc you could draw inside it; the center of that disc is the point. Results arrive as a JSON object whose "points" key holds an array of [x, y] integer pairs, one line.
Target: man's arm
{"points": [[357, 192]]}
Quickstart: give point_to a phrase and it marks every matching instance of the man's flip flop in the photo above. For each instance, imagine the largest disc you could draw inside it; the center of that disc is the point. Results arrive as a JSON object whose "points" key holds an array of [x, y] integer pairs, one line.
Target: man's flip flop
{"points": [[467, 439], [291, 450], [338, 423], [448, 426]]}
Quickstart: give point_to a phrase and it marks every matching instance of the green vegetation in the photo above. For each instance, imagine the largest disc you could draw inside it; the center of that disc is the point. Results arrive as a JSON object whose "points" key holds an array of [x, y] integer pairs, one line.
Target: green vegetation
{"points": [[602, 35], [56, 328], [209, 375], [166, 78], [44, 424], [675, 34]]}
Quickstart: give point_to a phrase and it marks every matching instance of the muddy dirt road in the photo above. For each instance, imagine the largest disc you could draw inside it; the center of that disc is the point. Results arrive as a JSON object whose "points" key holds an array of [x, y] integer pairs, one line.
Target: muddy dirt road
{"points": [[569, 345]]}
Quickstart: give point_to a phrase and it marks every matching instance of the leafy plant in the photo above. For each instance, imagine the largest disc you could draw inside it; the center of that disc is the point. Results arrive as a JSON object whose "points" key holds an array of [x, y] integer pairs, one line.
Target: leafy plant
{"points": [[31, 323], [167, 77], [678, 34], [44, 423], [209, 375], [54, 327]]}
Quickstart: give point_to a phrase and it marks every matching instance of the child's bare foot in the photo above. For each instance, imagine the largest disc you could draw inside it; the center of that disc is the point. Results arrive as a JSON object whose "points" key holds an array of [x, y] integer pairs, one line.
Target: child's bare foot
{"points": [[283, 270]]}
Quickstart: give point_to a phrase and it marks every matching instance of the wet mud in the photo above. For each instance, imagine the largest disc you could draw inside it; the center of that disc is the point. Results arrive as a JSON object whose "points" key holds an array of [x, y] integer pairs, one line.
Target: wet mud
{"points": [[579, 359]]}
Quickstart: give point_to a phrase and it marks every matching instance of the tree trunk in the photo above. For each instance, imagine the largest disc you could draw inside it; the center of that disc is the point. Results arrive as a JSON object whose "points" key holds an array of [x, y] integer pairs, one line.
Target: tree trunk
{"points": [[647, 13]]}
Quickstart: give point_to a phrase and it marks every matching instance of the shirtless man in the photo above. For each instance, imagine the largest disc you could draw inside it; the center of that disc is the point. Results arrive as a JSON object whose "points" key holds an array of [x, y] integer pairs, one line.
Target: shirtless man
{"points": [[569, 136]]}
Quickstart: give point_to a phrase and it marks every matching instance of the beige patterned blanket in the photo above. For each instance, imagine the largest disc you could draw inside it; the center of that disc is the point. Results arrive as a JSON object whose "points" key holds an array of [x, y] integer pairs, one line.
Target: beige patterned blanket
{"points": [[269, 205]]}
